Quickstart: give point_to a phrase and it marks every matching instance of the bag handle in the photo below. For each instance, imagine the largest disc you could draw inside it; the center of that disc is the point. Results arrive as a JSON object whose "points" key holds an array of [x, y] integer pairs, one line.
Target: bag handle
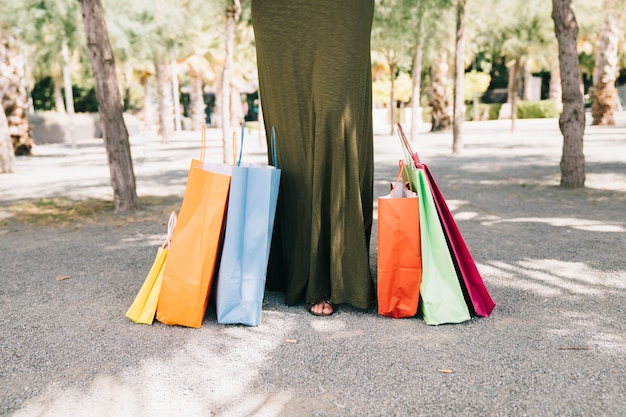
{"points": [[170, 230], [401, 175], [407, 147], [243, 130], [235, 162], [203, 143], [273, 148]]}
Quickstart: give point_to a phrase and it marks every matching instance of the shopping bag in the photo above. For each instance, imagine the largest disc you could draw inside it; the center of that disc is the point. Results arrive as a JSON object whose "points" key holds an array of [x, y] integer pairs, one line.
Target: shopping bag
{"points": [[249, 225], [441, 296], [143, 308], [480, 302], [188, 272], [399, 253]]}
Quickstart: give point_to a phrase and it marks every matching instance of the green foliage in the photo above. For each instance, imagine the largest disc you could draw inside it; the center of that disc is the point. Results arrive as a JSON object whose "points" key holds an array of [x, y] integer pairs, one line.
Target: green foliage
{"points": [[494, 110], [43, 26], [43, 97], [544, 109], [483, 108], [85, 100], [476, 83], [427, 114]]}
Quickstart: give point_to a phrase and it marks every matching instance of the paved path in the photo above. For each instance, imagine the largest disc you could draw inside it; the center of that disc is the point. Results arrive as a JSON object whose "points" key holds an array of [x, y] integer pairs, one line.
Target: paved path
{"points": [[554, 261]]}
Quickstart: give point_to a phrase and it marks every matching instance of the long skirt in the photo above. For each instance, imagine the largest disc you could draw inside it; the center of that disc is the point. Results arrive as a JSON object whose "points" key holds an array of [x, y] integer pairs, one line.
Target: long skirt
{"points": [[315, 88]]}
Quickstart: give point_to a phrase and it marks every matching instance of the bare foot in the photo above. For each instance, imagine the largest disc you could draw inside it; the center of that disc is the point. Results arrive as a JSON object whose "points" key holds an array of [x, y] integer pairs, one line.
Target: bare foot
{"points": [[323, 308]]}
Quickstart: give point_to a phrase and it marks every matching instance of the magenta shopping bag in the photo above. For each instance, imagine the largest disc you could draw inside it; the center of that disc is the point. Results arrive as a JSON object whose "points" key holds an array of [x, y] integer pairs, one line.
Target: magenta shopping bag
{"points": [[481, 303]]}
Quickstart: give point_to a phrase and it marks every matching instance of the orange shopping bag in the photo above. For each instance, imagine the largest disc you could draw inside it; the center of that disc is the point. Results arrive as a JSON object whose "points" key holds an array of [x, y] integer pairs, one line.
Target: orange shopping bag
{"points": [[399, 251], [188, 272]]}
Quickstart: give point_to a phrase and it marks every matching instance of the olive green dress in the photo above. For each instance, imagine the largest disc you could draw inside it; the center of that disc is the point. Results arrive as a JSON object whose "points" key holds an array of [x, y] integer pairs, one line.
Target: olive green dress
{"points": [[316, 91]]}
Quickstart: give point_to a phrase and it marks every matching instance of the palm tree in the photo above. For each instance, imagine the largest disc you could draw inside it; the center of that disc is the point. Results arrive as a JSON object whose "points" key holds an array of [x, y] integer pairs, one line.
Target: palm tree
{"points": [[233, 13], [438, 94], [459, 75], [201, 59], [391, 39], [51, 29], [14, 95], [110, 106], [572, 120], [604, 91], [7, 154]]}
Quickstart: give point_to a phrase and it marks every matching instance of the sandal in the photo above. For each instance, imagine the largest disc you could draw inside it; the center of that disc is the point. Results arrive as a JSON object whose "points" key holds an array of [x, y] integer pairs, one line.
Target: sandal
{"points": [[327, 303]]}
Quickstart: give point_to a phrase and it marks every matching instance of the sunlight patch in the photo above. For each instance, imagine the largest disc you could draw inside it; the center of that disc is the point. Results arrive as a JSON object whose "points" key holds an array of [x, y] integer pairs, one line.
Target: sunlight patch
{"points": [[323, 325], [509, 276], [549, 277], [466, 215], [213, 371], [580, 224], [609, 181]]}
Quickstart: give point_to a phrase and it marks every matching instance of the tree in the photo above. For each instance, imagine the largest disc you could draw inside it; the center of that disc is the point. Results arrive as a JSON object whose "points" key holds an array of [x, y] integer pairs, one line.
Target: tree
{"points": [[14, 94], [524, 36], [51, 30], [406, 34], [164, 95], [438, 94], [7, 154], [476, 83], [572, 120], [604, 91], [555, 92], [149, 37], [233, 12], [390, 35], [110, 106], [416, 106], [459, 75]]}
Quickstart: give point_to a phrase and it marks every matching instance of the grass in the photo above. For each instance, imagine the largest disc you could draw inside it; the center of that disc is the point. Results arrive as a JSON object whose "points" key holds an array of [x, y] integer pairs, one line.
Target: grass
{"points": [[68, 213]]}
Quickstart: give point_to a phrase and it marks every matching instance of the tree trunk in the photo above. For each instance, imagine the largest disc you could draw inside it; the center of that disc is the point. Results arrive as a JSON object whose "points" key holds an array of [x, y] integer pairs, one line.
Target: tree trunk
{"points": [[176, 97], [604, 92], [392, 96], [196, 101], [528, 81], [7, 154], [556, 93], [514, 71], [511, 80], [439, 101], [14, 96], [572, 120], [416, 109], [459, 79], [59, 104], [233, 11], [110, 106], [166, 104], [148, 105], [69, 95]]}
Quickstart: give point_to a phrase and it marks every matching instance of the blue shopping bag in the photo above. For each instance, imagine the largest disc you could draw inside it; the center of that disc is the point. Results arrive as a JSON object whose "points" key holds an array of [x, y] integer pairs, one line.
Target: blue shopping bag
{"points": [[249, 224]]}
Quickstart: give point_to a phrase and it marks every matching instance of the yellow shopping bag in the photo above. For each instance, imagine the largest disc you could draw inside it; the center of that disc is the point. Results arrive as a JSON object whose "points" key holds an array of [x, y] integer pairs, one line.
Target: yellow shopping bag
{"points": [[143, 309]]}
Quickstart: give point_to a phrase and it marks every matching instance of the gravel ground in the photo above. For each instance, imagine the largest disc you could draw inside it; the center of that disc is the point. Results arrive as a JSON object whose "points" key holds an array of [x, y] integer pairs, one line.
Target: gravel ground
{"points": [[553, 260]]}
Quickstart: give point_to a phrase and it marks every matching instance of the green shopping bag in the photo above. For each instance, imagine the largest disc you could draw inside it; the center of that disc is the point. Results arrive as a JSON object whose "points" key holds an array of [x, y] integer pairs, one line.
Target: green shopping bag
{"points": [[441, 296]]}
